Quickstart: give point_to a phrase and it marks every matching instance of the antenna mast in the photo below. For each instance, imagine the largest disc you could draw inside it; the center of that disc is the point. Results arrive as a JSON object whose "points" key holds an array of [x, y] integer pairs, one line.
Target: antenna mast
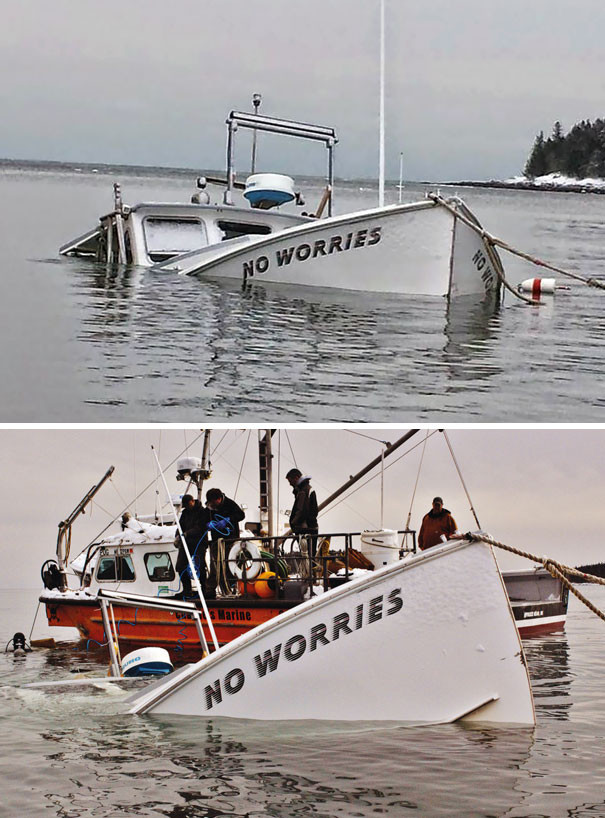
{"points": [[381, 151]]}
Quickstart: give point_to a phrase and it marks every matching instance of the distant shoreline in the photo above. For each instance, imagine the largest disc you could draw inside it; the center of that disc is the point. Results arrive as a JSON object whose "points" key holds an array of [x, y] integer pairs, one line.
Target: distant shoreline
{"points": [[550, 187], [546, 184]]}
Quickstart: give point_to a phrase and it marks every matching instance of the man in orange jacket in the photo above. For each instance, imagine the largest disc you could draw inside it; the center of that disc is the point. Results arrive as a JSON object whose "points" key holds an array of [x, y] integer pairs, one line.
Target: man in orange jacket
{"points": [[437, 523]]}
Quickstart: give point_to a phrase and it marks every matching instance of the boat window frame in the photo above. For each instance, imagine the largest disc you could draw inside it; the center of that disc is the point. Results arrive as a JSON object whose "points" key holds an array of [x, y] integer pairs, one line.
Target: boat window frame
{"points": [[168, 254], [257, 228], [115, 578], [159, 554]]}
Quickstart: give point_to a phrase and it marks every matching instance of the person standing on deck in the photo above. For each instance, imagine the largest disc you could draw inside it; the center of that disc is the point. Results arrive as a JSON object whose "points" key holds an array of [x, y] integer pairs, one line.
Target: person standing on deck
{"points": [[436, 524], [224, 518], [303, 517], [193, 521]]}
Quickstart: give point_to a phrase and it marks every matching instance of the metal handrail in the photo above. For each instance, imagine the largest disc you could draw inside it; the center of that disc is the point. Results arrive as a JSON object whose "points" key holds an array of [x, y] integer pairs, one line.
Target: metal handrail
{"points": [[284, 127]]}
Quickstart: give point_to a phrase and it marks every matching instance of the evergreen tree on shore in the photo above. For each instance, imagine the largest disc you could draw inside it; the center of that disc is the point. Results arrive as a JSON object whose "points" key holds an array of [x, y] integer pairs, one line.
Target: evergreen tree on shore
{"points": [[579, 154]]}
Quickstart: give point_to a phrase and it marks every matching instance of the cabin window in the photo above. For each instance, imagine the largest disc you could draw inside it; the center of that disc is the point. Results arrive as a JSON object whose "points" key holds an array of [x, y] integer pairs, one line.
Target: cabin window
{"points": [[166, 237], [116, 569], [231, 230], [159, 567]]}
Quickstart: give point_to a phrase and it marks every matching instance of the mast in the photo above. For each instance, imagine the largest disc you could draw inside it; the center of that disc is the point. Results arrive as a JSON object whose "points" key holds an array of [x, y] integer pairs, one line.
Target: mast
{"points": [[400, 176], [256, 101], [205, 472], [64, 536], [381, 116], [265, 465]]}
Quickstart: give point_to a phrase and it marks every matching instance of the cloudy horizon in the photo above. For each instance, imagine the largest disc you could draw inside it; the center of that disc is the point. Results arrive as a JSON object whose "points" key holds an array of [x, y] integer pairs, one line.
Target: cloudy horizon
{"points": [[468, 85]]}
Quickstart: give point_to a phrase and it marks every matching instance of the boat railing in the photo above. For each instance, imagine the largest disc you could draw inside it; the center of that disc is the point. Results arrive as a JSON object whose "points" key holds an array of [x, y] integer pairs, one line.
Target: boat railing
{"points": [[305, 561], [284, 127], [107, 599]]}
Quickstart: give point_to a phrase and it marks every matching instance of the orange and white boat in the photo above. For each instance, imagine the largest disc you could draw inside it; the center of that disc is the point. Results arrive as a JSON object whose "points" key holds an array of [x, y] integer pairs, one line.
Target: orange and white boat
{"points": [[260, 577]]}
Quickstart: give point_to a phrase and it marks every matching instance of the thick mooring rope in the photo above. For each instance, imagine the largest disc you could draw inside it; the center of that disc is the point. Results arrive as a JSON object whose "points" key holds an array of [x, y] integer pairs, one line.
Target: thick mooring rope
{"points": [[552, 566], [494, 240]]}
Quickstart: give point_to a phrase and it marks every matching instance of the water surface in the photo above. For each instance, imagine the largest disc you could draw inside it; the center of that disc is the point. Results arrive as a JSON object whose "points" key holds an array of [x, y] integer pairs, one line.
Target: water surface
{"points": [[72, 752], [81, 343]]}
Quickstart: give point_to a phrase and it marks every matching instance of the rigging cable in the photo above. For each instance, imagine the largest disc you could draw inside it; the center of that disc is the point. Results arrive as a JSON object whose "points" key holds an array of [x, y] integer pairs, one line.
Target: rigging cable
{"points": [[409, 519], [468, 497], [242, 465], [291, 449], [148, 486], [369, 480]]}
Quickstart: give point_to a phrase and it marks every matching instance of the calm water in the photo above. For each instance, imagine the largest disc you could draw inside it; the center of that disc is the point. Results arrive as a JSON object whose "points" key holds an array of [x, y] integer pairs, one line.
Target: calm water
{"points": [[83, 344], [71, 752]]}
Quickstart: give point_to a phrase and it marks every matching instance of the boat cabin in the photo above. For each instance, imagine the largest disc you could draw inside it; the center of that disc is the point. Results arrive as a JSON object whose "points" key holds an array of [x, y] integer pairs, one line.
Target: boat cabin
{"points": [[141, 559], [151, 233]]}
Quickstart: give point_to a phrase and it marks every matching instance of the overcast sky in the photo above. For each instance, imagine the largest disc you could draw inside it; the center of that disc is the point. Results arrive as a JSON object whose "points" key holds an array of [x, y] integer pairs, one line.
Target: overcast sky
{"points": [[540, 490], [147, 82]]}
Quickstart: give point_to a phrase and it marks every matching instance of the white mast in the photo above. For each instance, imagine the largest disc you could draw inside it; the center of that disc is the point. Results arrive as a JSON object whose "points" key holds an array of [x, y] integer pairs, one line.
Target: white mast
{"points": [[400, 175], [381, 152]]}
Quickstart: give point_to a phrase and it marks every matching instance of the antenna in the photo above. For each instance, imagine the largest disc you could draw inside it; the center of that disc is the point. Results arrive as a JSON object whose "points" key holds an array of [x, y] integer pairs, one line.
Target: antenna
{"points": [[381, 117], [256, 101]]}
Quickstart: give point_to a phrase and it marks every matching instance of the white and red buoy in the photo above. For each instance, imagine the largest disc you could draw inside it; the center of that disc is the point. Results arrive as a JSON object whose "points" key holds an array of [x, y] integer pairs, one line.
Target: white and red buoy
{"points": [[538, 286]]}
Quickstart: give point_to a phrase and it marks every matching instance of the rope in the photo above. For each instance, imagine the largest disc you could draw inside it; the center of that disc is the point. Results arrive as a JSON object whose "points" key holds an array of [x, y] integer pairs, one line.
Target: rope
{"points": [[34, 622], [591, 282], [552, 566]]}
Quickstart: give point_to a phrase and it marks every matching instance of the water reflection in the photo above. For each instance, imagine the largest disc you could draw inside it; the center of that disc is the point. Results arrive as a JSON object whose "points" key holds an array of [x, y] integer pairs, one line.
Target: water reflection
{"points": [[471, 328], [551, 676], [163, 342]]}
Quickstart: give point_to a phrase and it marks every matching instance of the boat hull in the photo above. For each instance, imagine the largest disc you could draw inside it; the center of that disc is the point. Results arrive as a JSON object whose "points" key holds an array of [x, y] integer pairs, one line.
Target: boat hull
{"points": [[419, 249], [428, 640], [167, 629]]}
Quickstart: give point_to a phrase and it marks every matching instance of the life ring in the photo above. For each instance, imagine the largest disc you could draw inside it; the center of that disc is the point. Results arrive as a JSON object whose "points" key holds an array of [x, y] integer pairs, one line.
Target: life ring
{"points": [[245, 555]]}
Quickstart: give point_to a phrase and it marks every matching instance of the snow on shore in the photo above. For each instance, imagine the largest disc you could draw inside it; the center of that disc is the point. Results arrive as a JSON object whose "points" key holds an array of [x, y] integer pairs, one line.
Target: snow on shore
{"points": [[556, 180]]}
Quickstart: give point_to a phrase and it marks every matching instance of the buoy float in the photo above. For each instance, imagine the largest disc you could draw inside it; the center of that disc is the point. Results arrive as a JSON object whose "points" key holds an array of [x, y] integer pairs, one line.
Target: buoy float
{"points": [[538, 286], [266, 584], [246, 589]]}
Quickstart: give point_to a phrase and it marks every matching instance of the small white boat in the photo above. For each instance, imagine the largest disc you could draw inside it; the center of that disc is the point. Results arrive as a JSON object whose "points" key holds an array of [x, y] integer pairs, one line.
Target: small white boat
{"points": [[433, 247], [538, 600], [427, 640]]}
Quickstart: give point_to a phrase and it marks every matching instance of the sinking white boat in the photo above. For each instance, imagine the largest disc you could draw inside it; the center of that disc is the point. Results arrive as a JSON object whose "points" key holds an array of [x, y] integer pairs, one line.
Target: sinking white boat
{"points": [[428, 640], [433, 247]]}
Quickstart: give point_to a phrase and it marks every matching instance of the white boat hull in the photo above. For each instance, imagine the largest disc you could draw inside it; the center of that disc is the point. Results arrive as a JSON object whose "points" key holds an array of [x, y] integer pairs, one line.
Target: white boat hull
{"points": [[417, 249], [428, 640]]}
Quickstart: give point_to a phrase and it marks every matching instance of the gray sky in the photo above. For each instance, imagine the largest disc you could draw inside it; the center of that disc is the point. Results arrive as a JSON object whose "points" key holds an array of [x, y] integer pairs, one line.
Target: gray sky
{"points": [[540, 490], [147, 82]]}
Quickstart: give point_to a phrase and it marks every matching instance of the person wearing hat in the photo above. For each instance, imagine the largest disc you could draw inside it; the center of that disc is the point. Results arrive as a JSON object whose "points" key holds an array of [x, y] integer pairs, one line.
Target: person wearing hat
{"points": [[193, 521], [303, 517], [224, 518], [436, 524]]}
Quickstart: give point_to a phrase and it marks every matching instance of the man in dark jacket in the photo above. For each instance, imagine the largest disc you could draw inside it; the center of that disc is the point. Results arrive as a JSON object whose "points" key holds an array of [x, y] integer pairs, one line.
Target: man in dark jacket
{"points": [[193, 521], [303, 517], [437, 523], [225, 517]]}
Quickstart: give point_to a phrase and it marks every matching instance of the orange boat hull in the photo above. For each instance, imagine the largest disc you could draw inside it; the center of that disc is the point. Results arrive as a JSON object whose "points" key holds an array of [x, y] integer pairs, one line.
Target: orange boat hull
{"points": [[145, 626]]}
